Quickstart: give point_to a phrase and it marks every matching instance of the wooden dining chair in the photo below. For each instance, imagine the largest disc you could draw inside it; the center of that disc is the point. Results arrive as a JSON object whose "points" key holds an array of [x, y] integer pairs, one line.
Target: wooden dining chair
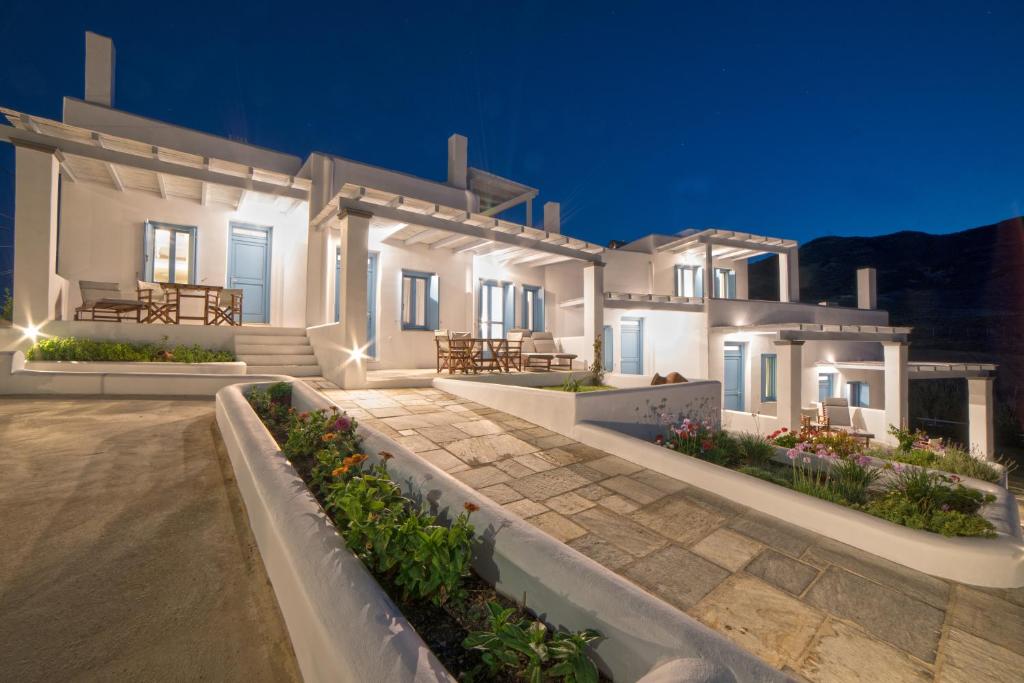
{"points": [[224, 306], [442, 341]]}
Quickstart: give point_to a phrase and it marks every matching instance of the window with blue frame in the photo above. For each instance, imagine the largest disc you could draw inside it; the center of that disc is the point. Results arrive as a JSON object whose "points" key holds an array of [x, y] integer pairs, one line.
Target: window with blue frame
{"points": [[769, 376], [858, 394], [169, 253], [420, 304], [533, 308], [689, 281], [826, 382], [725, 283]]}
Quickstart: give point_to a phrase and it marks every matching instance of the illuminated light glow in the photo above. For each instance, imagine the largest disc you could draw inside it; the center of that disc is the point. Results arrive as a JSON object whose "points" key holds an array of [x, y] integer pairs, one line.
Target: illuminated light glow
{"points": [[357, 354], [31, 332]]}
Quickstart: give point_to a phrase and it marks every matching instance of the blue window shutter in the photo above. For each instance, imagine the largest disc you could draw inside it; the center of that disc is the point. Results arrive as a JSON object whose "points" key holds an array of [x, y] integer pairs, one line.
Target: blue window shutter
{"points": [[538, 311], [434, 303], [698, 282], [508, 319], [147, 250], [731, 294]]}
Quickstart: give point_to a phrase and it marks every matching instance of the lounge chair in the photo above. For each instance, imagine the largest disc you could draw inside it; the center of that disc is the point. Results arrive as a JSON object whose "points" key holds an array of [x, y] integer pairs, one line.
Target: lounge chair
{"points": [[103, 301], [836, 414], [223, 306], [541, 350], [159, 305]]}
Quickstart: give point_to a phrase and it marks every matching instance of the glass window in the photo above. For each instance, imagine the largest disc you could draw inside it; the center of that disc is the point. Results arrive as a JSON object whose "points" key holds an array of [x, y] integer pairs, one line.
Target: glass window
{"points": [[769, 377], [689, 281], [825, 381], [858, 394], [492, 310], [725, 283], [533, 308], [170, 253], [419, 301]]}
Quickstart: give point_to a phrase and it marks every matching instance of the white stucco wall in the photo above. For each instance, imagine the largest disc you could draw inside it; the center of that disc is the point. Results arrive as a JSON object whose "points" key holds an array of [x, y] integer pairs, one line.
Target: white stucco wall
{"points": [[102, 230], [673, 341]]}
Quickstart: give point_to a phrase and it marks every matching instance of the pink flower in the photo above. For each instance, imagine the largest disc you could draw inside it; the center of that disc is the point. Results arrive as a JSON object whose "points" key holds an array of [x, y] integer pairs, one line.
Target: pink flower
{"points": [[863, 461], [342, 424], [806, 459], [792, 453]]}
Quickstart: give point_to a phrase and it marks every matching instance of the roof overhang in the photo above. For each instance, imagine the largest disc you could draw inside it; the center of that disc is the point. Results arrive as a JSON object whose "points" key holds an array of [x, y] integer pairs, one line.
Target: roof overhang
{"points": [[921, 369], [419, 222], [497, 194], [726, 244], [822, 332], [125, 164]]}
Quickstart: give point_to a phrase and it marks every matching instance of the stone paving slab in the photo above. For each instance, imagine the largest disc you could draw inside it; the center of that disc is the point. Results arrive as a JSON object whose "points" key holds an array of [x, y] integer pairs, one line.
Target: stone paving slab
{"points": [[817, 609]]}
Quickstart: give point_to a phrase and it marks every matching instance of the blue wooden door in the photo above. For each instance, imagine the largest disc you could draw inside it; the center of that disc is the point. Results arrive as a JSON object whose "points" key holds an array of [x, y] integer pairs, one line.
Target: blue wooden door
{"points": [[249, 270], [733, 377], [631, 335]]}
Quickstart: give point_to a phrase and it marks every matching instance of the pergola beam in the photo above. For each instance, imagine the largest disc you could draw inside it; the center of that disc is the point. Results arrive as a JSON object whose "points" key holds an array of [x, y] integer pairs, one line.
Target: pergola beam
{"points": [[515, 201], [109, 156], [455, 226], [449, 241], [427, 234]]}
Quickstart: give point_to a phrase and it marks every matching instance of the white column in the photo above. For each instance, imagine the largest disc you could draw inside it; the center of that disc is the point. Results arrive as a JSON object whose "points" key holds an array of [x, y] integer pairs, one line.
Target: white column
{"points": [[709, 271], [593, 308], [789, 384], [317, 243], [784, 276], [867, 289], [897, 384], [980, 412], [794, 274], [355, 233], [35, 235]]}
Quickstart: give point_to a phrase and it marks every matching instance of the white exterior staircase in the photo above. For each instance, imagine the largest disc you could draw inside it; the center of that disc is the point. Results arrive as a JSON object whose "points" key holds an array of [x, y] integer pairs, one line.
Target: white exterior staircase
{"points": [[277, 351]]}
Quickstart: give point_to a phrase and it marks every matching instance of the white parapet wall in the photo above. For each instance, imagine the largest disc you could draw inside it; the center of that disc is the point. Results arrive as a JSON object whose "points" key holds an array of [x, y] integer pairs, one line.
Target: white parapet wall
{"points": [[225, 368], [992, 562], [641, 411], [121, 379], [344, 629]]}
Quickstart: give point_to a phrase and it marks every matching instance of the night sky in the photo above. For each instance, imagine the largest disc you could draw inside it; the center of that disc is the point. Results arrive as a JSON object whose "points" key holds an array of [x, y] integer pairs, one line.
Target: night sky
{"points": [[788, 119]]}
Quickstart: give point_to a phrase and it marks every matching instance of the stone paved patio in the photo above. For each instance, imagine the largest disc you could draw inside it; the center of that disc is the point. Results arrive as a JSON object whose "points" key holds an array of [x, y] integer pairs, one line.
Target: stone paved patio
{"points": [[813, 607]]}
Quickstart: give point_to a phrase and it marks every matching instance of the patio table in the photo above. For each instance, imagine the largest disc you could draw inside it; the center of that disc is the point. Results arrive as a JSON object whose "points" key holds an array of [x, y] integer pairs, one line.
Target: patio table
{"points": [[188, 291], [467, 355]]}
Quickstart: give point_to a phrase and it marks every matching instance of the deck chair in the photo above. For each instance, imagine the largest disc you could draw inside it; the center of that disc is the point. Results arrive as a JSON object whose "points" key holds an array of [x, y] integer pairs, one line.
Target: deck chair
{"points": [[463, 352], [223, 307], [836, 413], [544, 345], [103, 301], [514, 350], [444, 350], [159, 305]]}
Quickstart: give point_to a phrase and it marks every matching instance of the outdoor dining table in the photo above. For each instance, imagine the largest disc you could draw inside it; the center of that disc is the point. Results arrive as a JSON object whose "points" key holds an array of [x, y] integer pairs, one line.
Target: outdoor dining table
{"points": [[188, 291], [473, 354]]}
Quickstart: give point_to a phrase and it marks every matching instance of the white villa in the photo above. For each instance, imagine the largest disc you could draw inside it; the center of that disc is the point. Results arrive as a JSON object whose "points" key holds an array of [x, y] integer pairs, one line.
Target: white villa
{"points": [[347, 269]]}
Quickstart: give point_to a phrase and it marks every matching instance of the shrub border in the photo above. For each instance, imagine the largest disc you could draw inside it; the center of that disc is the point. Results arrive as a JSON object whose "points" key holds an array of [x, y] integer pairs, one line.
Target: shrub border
{"points": [[991, 562]]}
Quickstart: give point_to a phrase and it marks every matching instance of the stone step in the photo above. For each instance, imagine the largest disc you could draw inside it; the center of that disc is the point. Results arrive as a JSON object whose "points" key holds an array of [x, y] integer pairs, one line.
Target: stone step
{"points": [[273, 350], [249, 339], [278, 359], [290, 370]]}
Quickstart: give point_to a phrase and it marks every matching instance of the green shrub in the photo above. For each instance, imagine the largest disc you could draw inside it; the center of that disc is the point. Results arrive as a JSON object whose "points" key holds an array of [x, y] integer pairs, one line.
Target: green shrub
{"points": [[787, 439], [850, 480], [524, 649], [572, 385], [903, 511], [754, 449], [76, 349], [7, 307], [905, 437], [767, 475], [959, 461]]}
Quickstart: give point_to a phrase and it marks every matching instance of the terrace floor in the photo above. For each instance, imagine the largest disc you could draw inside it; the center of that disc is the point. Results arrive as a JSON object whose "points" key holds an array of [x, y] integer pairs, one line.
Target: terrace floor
{"points": [[125, 551], [806, 604]]}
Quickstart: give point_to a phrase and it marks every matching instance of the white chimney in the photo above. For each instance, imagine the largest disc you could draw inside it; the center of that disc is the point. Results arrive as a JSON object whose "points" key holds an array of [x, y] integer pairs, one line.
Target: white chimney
{"points": [[99, 69], [552, 217], [458, 160], [867, 289]]}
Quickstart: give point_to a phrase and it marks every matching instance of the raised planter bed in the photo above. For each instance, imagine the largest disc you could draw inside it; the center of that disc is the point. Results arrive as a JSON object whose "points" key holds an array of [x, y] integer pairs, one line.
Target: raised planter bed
{"points": [[638, 411], [993, 562], [138, 367], [345, 629]]}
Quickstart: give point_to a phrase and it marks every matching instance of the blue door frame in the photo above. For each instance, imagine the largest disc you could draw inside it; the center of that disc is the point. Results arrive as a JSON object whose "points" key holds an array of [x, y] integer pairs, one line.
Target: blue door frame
{"points": [[732, 383], [249, 255], [631, 355]]}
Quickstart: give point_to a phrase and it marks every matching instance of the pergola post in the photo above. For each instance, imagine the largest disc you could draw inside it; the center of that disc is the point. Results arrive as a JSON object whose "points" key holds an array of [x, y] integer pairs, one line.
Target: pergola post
{"points": [[789, 385], [897, 384], [980, 417], [355, 233], [593, 307], [35, 235], [709, 270]]}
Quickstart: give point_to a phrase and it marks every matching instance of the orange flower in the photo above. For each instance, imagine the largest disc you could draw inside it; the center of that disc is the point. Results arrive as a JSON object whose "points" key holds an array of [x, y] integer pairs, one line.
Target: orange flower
{"points": [[354, 459], [338, 471], [329, 436], [385, 455], [471, 507]]}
